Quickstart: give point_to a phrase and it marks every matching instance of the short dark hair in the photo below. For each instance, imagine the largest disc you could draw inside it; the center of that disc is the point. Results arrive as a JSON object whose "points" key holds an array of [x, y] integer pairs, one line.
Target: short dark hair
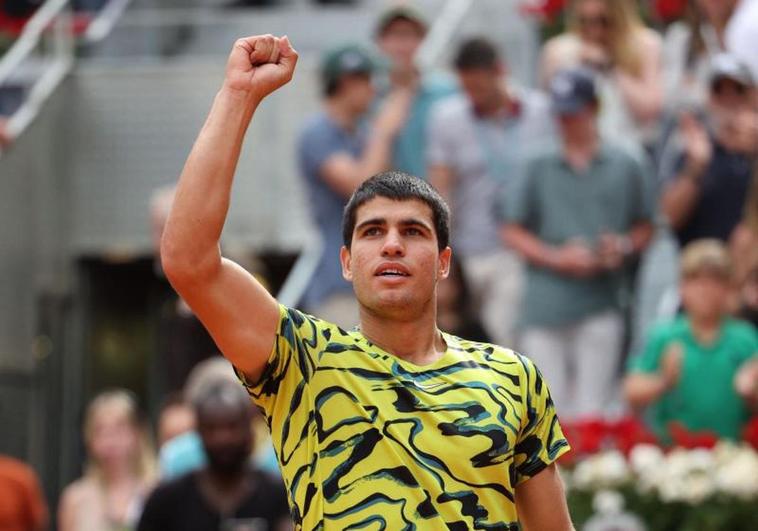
{"points": [[476, 53], [398, 186]]}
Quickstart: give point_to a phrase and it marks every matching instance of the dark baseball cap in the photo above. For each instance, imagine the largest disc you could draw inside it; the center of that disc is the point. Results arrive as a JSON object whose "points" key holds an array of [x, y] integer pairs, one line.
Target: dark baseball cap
{"points": [[728, 66], [345, 60], [572, 90], [400, 12]]}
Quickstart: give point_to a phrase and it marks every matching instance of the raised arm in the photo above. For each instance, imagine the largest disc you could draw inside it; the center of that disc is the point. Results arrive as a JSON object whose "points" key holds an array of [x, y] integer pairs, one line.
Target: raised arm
{"points": [[239, 313]]}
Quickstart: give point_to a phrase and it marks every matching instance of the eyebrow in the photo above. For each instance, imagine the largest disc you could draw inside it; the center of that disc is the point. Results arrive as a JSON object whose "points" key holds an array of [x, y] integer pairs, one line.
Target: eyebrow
{"points": [[406, 222]]}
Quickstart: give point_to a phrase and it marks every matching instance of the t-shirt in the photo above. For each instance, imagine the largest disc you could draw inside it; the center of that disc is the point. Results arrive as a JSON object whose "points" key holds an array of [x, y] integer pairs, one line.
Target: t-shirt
{"points": [[321, 139], [178, 505], [557, 205], [368, 440], [22, 505], [704, 398], [723, 191], [485, 155], [409, 147]]}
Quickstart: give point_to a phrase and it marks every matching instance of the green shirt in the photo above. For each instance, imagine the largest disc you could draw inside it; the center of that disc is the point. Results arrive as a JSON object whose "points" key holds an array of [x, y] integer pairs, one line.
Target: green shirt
{"points": [[557, 204], [704, 398]]}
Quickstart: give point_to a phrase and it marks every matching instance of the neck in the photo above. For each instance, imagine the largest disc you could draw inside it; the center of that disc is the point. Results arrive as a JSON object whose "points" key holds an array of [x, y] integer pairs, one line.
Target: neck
{"points": [[223, 480], [342, 114], [502, 103], [416, 340], [579, 150], [705, 328], [117, 474]]}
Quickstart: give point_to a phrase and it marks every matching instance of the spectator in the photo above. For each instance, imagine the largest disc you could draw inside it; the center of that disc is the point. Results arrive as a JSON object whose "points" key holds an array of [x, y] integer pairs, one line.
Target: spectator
{"points": [[119, 471], [22, 504], [580, 214], [690, 45], [336, 153], [700, 370], [704, 193], [399, 34], [477, 148], [228, 493], [176, 417], [743, 246], [609, 37]]}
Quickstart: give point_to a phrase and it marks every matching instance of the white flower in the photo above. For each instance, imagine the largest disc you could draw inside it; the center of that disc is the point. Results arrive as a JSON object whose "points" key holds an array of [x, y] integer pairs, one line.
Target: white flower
{"points": [[645, 458], [737, 471], [604, 470], [607, 502]]}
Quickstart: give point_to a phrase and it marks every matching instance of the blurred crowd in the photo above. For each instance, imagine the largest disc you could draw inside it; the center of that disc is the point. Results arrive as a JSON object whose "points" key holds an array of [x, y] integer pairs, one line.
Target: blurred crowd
{"points": [[556, 191]]}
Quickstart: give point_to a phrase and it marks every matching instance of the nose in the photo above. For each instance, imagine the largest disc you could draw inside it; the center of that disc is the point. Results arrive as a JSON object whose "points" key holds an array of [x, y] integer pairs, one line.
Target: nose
{"points": [[393, 244]]}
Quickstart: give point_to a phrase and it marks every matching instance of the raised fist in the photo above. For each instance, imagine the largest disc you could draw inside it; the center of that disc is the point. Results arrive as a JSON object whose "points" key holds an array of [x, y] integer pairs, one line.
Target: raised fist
{"points": [[260, 64]]}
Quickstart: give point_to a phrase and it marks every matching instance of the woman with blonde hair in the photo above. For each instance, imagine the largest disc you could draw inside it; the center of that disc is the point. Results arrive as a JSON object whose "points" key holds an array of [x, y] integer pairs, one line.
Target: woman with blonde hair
{"points": [[120, 469], [609, 37]]}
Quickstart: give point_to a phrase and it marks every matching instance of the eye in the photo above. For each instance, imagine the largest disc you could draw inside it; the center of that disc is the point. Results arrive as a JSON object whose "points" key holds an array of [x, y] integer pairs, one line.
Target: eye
{"points": [[413, 231], [372, 231]]}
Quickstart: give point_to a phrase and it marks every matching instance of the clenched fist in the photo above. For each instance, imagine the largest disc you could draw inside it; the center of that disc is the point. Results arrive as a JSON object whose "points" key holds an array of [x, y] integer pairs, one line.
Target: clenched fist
{"points": [[260, 64]]}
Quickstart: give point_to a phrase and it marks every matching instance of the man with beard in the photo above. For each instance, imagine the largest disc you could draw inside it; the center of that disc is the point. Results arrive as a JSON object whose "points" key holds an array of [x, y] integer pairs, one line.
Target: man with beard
{"points": [[228, 494]]}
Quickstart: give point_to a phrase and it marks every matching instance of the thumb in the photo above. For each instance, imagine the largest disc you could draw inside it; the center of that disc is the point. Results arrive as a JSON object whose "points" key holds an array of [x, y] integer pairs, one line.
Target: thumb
{"points": [[287, 54]]}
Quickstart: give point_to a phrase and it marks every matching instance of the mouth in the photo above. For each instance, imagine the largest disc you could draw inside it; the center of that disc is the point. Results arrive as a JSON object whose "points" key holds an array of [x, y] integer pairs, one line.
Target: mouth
{"points": [[391, 271]]}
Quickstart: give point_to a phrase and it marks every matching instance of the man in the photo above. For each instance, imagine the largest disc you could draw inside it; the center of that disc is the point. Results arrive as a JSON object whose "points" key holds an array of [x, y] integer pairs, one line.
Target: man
{"points": [[336, 153], [228, 493], [705, 194], [477, 147], [579, 215], [393, 425], [399, 34]]}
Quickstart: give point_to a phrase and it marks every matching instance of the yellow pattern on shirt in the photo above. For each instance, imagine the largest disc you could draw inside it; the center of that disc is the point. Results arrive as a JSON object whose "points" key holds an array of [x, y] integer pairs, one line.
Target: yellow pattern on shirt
{"points": [[366, 440]]}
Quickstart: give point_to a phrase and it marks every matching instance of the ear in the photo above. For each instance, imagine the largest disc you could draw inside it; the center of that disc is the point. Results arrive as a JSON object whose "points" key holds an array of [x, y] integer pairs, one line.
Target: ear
{"points": [[347, 273], [443, 263]]}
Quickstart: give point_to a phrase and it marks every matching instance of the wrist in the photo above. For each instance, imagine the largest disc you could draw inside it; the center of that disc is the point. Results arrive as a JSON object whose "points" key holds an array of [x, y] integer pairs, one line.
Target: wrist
{"points": [[239, 97], [550, 258], [625, 245], [693, 171]]}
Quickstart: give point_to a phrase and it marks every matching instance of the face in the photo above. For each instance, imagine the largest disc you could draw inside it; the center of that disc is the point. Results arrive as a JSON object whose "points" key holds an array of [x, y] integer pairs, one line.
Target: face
{"points": [[705, 295], [594, 21], [394, 263], [577, 125], [175, 421], [729, 97], [226, 435], [400, 41], [358, 92], [113, 439], [482, 87]]}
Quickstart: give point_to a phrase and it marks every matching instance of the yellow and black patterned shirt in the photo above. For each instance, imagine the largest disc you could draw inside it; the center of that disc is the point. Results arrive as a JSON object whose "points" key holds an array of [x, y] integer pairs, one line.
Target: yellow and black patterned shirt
{"points": [[366, 440]]}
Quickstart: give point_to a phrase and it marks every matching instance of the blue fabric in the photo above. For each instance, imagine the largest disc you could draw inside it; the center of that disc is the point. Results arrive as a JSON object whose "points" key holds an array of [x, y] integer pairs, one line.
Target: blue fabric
{"points": [[320, 139], [409, 149], [182, 454]]}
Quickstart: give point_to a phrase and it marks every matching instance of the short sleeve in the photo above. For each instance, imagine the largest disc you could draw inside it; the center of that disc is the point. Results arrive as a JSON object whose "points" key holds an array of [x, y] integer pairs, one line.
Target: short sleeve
{"points": [[316, 146], [291, 364], [441, 141], [649, 359], [541, 440]]}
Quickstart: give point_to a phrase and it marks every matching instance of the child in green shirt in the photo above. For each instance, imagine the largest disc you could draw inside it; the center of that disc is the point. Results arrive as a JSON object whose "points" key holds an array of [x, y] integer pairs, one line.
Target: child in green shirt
{"points": [[701, 369]]}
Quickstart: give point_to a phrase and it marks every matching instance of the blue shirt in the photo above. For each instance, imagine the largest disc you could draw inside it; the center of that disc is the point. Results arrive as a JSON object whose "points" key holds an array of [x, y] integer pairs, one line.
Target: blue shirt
{"points": [[321, 139]]}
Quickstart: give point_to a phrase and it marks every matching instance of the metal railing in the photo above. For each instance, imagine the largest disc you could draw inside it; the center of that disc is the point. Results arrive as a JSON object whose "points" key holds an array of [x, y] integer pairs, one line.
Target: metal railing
{"points": [[44, 54]]}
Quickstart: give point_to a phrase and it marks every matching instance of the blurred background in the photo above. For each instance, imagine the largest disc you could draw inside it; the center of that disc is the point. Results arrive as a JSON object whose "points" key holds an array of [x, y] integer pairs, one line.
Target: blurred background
{"points": [[101, 100]]}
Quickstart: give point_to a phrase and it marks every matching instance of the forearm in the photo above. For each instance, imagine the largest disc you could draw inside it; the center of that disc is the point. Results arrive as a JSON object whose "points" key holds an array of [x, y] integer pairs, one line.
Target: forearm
{"points": [[534, 250], [641, 389], [680, 197], [377, 156], [193, 229]]}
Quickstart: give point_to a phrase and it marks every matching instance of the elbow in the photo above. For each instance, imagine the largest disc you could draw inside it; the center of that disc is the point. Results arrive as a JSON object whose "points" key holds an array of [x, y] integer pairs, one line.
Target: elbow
{"points": [[632, 394], [184, 264]]}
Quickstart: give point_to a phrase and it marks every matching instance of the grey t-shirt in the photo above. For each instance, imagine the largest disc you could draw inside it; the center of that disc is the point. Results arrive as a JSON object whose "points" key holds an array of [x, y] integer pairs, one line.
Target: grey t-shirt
{"points": [[320, 139], [486, 155], [557, 205]]}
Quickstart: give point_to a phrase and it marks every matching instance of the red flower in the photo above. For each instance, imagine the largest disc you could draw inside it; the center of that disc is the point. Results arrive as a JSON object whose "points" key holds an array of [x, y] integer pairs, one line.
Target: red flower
{"points": [[545, 10], [750, 433], [691, 439], [669, 10]]}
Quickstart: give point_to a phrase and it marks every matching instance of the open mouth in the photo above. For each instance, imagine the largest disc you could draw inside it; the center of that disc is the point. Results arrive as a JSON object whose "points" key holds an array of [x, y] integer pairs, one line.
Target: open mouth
{"points": [[392, 273]]}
